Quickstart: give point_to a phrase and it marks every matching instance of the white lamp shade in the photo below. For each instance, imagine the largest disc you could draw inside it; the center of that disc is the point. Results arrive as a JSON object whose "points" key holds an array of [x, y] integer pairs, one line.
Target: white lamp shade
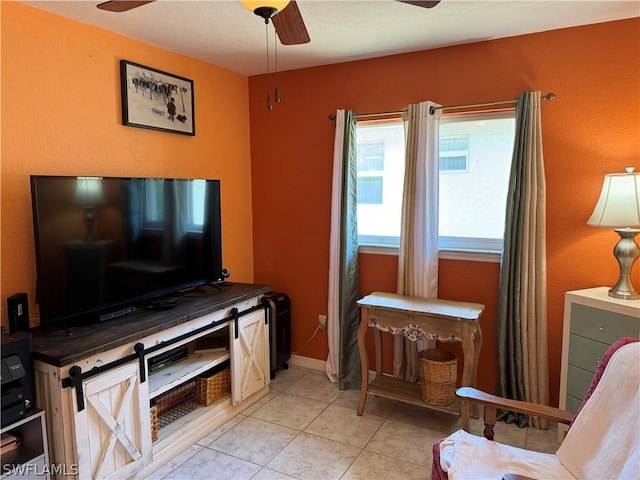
{"points": [[89, 192], [619, 202]]}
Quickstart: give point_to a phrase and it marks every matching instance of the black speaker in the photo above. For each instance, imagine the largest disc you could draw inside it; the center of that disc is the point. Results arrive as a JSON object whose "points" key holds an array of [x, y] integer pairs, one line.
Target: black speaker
{"points": [[18, 307], [279, 330]]}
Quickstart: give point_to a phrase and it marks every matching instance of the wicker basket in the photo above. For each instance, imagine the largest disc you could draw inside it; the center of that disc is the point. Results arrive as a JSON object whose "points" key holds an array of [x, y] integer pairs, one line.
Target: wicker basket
{"points": [[154, 423], [438, 370], [178, 396], [175, 403], [211, 388]]}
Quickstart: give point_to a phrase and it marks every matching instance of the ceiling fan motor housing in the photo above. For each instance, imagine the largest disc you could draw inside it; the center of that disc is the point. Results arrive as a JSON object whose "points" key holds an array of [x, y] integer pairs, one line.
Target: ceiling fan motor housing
{"points": [[266, 12]]}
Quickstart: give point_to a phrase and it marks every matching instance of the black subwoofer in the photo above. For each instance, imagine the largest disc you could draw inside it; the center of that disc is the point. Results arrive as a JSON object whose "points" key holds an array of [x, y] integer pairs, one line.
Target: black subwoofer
{"points": [[279, 330]]}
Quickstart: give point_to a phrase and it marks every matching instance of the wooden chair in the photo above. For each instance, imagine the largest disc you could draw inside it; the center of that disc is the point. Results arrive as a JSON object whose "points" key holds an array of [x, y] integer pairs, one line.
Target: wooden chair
{"points": [[560, 464]]}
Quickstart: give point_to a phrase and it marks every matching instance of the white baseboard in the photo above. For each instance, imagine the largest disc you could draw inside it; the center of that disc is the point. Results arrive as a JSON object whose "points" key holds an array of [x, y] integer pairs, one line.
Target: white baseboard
{"points": [[306, 362], [315, 364]]}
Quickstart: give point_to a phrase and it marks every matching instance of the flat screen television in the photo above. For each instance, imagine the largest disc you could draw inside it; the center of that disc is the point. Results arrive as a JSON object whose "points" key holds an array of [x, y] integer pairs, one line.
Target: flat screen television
{"points": [[105, 244]]}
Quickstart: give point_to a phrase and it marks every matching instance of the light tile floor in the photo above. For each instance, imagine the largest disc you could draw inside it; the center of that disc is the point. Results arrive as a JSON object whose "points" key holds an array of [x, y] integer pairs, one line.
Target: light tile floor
{"points": [[307, 429]]}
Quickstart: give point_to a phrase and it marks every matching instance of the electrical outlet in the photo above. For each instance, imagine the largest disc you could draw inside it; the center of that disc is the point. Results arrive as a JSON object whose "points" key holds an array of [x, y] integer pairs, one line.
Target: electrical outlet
{"points": [[322, 321]]}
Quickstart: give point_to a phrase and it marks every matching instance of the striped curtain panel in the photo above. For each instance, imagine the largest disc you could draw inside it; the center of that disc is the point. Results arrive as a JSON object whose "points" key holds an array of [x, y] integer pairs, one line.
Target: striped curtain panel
{"points": [[343, 361], [522, 313], [418, 255]]}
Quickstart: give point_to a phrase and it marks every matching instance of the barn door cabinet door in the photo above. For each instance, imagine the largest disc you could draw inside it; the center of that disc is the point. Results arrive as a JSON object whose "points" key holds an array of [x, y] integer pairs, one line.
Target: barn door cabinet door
{"points": [[113, 433], [250, 367]]}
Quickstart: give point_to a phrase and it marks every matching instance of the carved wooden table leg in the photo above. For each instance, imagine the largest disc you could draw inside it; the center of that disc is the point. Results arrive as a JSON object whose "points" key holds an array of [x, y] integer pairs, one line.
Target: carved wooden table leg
{"points": [[377, 335], [364, 360], [477, 344], [467, 374]]}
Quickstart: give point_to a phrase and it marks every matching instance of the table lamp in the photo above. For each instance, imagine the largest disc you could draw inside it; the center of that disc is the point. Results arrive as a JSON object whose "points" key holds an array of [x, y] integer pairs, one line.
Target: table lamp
{"points": [[619, 207], [89, 195]]}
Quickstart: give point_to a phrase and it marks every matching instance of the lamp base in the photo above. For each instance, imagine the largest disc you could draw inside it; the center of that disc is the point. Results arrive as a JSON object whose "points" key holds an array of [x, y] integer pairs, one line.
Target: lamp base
{"points": [[626, 252], [624, 296]]}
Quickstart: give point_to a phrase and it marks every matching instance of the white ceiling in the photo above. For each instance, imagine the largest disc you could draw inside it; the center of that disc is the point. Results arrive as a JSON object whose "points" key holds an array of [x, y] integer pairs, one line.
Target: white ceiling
{"points": [[224, 33]]}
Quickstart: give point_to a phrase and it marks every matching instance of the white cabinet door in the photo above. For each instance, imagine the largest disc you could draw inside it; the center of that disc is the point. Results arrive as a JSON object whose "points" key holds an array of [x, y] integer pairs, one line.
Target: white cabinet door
{"points": [[249, 355], [112, 432]]}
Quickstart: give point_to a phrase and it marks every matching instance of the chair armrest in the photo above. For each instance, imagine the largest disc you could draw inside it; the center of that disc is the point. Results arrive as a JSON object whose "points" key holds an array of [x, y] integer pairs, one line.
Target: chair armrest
{"points": [[492, 402]]}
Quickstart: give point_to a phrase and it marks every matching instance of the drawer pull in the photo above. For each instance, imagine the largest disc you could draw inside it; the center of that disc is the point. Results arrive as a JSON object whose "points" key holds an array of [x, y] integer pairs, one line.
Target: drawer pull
{"points": [[601, 327], [598, 360]]}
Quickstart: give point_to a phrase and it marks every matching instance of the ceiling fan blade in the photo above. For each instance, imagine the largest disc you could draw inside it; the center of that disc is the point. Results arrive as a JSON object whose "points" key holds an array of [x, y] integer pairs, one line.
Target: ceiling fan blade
{"points": [[424, 3], [121, 5], [290, 26]]}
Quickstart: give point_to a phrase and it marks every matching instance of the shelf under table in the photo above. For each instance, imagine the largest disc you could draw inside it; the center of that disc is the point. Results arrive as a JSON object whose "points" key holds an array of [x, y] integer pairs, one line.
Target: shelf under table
{"points": [[408, 392]]}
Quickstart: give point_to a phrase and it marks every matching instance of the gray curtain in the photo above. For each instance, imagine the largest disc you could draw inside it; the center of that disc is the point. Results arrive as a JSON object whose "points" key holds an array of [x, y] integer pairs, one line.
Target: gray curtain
{"points": [[349, 375], [522, 312]]}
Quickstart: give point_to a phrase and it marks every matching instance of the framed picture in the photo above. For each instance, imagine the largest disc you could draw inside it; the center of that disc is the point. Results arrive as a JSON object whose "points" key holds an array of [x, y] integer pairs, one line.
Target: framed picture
{"points": [[156, 100]]}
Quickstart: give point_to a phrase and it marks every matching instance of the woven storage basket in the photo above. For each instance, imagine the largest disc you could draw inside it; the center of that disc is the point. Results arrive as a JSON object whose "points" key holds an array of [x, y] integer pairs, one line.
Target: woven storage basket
{"points": [[214, 387], [176, 397], [438, 370], [175, 403], [154, 423]]}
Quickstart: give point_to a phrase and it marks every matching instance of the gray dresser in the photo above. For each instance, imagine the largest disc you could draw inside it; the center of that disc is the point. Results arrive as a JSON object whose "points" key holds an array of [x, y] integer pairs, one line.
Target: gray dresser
{"points": [[592, 322]]}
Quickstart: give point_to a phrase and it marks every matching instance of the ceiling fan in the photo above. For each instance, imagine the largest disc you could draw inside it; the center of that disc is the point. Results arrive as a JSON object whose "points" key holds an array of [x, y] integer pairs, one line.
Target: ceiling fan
{"points": [[288, 23]]}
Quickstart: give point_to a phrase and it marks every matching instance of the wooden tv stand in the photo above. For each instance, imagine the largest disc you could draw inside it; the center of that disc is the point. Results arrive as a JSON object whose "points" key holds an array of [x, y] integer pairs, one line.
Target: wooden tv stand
{"points": [[97, 389]]}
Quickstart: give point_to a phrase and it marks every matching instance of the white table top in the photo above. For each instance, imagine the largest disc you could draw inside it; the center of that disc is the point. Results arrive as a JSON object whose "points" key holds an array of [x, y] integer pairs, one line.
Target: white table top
{"points": [[434, 306]]}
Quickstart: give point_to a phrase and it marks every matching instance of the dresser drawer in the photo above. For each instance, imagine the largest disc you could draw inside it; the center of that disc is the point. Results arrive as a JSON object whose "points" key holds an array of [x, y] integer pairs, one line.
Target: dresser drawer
{"points": [[578, 381], [601, 325], [573, 404], [585, 353]]}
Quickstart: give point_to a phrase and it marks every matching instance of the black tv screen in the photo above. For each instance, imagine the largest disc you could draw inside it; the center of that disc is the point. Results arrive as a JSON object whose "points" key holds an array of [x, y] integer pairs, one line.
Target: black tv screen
{"points": [[104, 243]]}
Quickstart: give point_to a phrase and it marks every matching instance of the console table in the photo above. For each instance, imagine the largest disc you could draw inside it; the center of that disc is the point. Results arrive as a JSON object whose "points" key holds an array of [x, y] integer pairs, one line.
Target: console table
{"points": [[416, 318]]}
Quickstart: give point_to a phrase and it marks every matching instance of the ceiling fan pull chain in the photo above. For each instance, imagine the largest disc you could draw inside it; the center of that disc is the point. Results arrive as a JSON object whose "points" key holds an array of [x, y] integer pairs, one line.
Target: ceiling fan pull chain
{"points": [[276, 95], [266, 31]]}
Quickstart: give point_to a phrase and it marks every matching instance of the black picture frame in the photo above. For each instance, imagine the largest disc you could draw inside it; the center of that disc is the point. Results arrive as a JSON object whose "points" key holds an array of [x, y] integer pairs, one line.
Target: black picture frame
{"points": [[146, 95]]}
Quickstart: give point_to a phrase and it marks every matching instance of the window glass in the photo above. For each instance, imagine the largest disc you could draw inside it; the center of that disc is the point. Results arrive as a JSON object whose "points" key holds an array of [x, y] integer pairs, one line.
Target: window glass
{"points": [[473, 199], [474, 160], [380, 178]]}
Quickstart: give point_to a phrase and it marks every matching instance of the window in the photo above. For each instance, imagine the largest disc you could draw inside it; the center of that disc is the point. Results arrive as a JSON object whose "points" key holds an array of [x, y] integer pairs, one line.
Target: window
{"points": [[474, 159], [454, 153]]}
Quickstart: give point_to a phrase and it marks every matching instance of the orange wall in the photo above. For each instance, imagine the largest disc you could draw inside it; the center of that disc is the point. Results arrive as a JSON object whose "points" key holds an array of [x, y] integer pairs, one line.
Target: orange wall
{"points": [[61, 115], [592, 128]]}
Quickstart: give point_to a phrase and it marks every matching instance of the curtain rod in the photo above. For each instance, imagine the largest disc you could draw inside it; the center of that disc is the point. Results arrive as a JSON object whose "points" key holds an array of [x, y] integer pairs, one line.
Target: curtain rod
{"points": [[332, 116], [549, 97]]}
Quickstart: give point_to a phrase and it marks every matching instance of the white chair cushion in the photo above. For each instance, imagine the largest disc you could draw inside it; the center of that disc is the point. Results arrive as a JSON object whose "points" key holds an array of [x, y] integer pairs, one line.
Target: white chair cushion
{"points": [[604, 440], [466, 456]]}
